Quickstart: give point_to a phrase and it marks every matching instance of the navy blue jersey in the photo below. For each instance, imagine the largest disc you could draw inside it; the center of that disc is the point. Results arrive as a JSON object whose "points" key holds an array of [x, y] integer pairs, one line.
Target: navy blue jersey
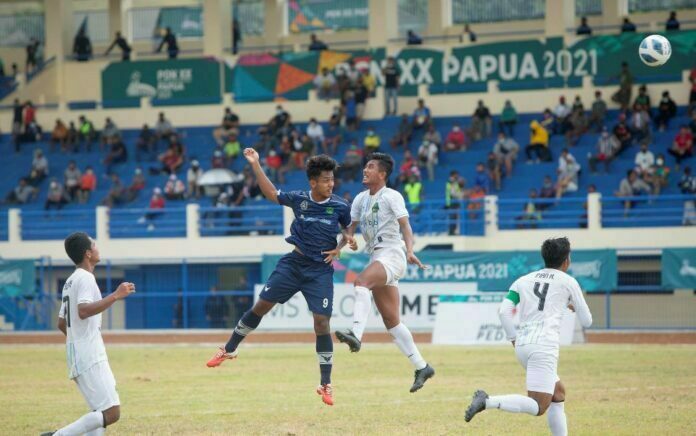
{"points": [[316, 225]]}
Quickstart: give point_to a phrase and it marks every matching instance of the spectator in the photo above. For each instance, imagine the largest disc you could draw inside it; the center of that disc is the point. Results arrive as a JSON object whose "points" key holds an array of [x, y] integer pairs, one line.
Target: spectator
{"points": [[273, 163], [145, 144], [59, 135], [547, 191], [692, 94], [547, 120], [494, 169], [118, 194], [584, 28], [350, 108], [392, 74], [56, 196], [627, 26], [17, 123], [372, 142], [22, 193], [538, 143], [369, 81], [692, 124], [216, 309], [194, 174], [174, 189], [683, 145], [137, 185], [334, 134], [666, 110], [88, 183], [87, 132], [117, 154], [352, 163], [315, 44], [303, 147], [623, 95], [456, 139], [82, 46], [217, 161], [421, 116], [432, 135], [232, 149], [598, 112], [403, 134], [39, 168], [121, 42], [413, 39], [352, 74], [172, 47], [316, 132], [640, 124], [508, 119], [530, 214], [576, 127], [408, 168], [561, 115], [71, 179], [325, 85], [687, 185], [642, 99], [427, 157], [468, 31], [230, 125], [172, 159], [660, 174], [71, 141], [475, 204], [482, 179], [632, 186], [414, 193], [236, 36], [505, 151], [607, 146], [481, 122], [623, 134], [156, 208], [454, 195], [672, 23], [577, 105], [361, 95], [568, 170], [110, 133], [164, 129], [32, 50], [32, 129]]}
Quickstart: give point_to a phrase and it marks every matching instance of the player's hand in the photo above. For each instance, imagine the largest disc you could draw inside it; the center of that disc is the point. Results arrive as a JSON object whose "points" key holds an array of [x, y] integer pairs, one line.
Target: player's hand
{"points": [[331, 255], [124, 290], [571, 307], [352, 243], [251, 155], [413, 260]]}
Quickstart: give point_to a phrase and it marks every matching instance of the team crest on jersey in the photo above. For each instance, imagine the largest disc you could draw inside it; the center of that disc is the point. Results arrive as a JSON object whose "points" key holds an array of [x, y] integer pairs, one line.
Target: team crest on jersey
{"points": [[375, 208], [329, 210], [304, 205]]}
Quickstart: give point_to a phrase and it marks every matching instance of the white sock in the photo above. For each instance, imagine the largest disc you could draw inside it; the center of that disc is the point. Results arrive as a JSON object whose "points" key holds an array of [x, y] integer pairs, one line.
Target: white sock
{"points": [[557, 419], [404, 340], [513, 403], [96, 432], [361, 310], [90, 421]]}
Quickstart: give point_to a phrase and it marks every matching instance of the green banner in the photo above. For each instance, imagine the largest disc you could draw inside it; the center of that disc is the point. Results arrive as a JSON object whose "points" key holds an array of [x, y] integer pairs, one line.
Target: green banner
{"points": [[195, 81], [320, 15], [17, 278], [679, 268], [595, 270]]}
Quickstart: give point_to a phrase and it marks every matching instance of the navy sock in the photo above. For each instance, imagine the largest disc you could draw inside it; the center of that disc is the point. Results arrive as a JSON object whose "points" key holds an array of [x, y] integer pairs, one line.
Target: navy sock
{"points": [[246, 325], [325, 355]]}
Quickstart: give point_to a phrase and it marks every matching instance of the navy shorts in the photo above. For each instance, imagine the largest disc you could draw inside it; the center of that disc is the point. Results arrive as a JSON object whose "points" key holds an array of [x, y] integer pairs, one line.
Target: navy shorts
{"points": [[297, 273]]}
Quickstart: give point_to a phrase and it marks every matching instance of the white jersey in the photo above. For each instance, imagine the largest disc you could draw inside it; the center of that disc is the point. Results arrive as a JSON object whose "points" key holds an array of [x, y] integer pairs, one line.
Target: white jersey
{"points": [[378, 217], [84, 343], [543, 298]]}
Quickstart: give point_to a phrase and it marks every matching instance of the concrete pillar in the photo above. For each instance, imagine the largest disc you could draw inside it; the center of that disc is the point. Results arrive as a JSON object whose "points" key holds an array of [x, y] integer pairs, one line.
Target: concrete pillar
{"points": [[613, 13], [14, 226], [490, 215], [59, 28], [117, 21], [439, 17], [217, 27], [560, 15], [594, 211], [275, 22], [383, 23], [193, 233], [102, 225]]}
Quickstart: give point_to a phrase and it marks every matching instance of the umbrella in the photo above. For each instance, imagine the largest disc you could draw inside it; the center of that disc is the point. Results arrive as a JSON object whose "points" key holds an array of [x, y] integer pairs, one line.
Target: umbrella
{"points": [[219, 176]]}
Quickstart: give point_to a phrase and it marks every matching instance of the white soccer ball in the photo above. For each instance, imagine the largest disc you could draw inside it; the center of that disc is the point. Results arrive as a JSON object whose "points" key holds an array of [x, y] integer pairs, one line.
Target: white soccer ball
{"points": [[655, 50]]}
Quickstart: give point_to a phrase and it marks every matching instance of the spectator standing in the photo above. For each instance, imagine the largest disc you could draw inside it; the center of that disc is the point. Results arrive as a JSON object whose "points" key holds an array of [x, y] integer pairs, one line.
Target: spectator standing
{"points": [[454, 195], [481, 122], [538, 143], [403, 133], [88, 183], [683, 146], [508, 119], [414, 193], [71, 179], [32, 129], [17, 123], [325, 85], [583, 28], [236, 36], [505, 151], [170, 40], [315, 44], [623, 95], [627, 26], [145, 144], [607, 146], [32, 50], [672, 23], [666, 110], [72, 140], [427, 157], [350, 108], [86, 132], [82, 46], [494, 170], [598, 112], [121, 42], [392, 74], [193, 175]]}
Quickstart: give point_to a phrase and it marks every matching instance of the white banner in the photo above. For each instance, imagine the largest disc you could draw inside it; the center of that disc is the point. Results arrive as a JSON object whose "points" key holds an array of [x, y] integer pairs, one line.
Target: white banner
{"points": [[473, 319], [419, 305]]}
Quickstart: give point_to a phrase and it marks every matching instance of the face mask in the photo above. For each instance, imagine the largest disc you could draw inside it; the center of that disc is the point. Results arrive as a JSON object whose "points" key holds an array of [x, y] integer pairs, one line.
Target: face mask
{"points": [[660, 162]]}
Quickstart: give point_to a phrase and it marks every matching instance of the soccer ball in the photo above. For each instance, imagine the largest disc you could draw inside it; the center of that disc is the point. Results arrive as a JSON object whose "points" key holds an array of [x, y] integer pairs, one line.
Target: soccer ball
{"points": [[655, 50]]}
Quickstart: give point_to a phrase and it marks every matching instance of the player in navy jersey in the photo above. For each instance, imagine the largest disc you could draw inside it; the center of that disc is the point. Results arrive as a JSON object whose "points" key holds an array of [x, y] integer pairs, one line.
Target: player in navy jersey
{"points": [[320, 217]]}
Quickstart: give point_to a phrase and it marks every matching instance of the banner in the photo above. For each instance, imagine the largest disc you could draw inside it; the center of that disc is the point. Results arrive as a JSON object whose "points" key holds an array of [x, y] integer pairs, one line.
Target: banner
{"points": [[473, 320], [195, 80], [419, 305], [17, 278], [320, 15], [185, 22], [679, 268], [595, 270]]}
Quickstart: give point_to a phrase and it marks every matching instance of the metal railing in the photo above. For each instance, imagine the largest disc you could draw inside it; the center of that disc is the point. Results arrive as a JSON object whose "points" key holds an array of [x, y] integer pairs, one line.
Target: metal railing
{"points": [[648, 211], [659, 5], [475, 11], [147, 223], [17, 30], [461, 217], [412, 15], [240, 220], [547, 213], [56, 224], [97, 25]]}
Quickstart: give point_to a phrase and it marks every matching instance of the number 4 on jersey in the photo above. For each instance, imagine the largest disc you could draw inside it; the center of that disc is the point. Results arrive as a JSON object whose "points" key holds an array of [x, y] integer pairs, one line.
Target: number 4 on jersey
{"points": [[541, 295]]}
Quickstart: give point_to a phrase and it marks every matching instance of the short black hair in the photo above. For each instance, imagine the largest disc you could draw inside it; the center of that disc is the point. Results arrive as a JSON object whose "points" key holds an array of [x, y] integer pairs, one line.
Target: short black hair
{"points": [[385, 162], [555, 251], [76, 245], [318, 164]]}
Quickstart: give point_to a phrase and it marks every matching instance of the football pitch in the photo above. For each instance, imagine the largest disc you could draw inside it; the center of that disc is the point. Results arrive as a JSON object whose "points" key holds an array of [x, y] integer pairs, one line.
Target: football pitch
{"points": [[611, 390]]}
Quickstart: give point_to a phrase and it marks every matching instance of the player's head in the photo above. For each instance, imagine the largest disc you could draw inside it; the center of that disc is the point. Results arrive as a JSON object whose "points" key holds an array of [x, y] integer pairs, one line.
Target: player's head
{"points": [[556, 253], [81, 248], [378, 169], [320, 173]]}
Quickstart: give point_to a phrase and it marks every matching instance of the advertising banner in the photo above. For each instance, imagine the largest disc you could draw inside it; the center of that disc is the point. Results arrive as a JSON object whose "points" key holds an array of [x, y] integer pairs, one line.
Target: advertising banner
{"points": [[17, 278], [321, 15], [679, 268]]}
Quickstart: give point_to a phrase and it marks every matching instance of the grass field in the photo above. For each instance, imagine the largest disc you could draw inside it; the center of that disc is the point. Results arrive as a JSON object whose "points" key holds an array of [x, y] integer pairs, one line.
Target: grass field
{"points": [[611, 390]]}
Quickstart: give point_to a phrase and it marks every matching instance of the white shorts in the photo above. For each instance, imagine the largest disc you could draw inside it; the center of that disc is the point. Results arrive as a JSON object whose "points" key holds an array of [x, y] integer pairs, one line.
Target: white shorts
{"points": [[394, 261], [541, 364], [98, 387]]}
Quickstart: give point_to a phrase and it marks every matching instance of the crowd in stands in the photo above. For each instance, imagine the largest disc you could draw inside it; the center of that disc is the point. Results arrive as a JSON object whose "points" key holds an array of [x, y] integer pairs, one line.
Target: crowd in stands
{"points": [[627, 26]]}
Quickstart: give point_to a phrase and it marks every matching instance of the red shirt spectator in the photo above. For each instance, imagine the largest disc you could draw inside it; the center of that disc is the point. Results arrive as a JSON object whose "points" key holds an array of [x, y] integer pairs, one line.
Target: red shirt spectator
{"points": [[683, 145], [29, 114], [456, 140], [273, 160], [157, 201], [88, 181]]}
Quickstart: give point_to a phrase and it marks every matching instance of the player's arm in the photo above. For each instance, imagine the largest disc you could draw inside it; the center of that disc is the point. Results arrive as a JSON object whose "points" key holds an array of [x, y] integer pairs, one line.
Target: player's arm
{"points": [[579, 305], [407, 232], [267, 187], [346, 239], [62, 325], [85, 310], [506, 315]]}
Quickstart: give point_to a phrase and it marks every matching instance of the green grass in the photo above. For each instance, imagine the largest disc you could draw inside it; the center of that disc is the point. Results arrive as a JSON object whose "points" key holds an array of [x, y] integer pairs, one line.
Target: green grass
{"points": [[611, 390]]}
